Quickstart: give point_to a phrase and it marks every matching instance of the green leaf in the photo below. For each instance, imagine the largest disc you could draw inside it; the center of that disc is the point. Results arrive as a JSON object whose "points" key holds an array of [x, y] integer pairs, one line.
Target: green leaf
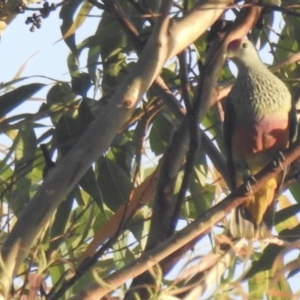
{"points": [[85, 115], [295, 190], [266, 260], [6, 176], [94, 55], [66, 14], [81, 83], [25, 149], [160, 134], [59, 99], [203, 198], [137, 226], [115, 184], [12, 99], [89, 183], [61, 219], [112, 51], [286, 213], [202, 194], [80, 18], [111, 44], [67, 134], [258, 285], [123, 156]]}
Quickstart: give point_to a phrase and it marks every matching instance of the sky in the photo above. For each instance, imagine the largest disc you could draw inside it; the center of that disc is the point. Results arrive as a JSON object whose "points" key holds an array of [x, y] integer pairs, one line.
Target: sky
{"points": [[43, 50], [18, 44]]}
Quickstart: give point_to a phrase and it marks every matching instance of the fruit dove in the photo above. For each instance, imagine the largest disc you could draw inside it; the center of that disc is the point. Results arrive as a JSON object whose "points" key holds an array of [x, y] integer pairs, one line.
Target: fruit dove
{"points": [[259, 121]]}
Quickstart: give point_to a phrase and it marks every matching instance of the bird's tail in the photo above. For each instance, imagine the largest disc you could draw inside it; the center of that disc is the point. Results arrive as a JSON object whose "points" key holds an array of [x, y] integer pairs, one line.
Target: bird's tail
{"points": [[242, 226]]}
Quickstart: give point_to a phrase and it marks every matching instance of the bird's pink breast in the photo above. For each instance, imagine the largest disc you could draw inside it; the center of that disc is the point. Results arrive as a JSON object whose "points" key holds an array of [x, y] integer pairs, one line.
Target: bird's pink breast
{"points": [[269, 134]]}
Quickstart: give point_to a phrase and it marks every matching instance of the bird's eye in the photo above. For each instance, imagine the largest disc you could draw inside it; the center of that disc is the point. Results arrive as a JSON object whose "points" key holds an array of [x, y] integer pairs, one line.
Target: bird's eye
{"points": [[244, 45]]}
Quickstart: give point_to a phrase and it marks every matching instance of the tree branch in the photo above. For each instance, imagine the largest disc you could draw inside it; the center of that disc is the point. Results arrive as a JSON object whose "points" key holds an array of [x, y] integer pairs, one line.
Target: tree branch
{"points": [[205, 222]]}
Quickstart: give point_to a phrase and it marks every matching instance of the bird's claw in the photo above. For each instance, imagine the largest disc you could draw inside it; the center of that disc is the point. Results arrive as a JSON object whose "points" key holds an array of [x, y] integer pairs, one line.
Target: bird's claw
{"points": [[279, 159], [247, 182]]}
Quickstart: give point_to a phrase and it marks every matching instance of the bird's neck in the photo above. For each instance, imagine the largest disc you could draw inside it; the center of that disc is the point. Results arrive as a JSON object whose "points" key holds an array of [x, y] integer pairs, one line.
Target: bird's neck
{"points": [[253, 67]]}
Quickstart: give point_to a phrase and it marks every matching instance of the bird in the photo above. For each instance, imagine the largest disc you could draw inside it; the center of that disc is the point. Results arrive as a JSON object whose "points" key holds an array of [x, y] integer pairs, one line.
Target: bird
{"points": [[259, 121]]}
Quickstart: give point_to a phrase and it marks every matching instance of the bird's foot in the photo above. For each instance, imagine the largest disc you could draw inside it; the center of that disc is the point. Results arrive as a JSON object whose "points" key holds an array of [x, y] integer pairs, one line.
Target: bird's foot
{"points": [[279, 159], [247, 182]]}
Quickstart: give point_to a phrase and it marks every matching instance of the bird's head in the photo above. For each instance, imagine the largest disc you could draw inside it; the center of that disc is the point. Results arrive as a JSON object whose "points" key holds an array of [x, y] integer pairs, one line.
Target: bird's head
{"points": [[242, 50]]}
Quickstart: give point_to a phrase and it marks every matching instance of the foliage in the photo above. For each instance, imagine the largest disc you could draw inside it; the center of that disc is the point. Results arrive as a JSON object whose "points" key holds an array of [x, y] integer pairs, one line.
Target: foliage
{"points": [[150, 179]]}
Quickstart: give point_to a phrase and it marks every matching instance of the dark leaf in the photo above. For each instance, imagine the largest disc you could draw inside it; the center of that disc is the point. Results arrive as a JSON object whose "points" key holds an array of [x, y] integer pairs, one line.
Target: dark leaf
{"points": [[115, 184], [66, 14], [12, 99], [81, 83]]}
